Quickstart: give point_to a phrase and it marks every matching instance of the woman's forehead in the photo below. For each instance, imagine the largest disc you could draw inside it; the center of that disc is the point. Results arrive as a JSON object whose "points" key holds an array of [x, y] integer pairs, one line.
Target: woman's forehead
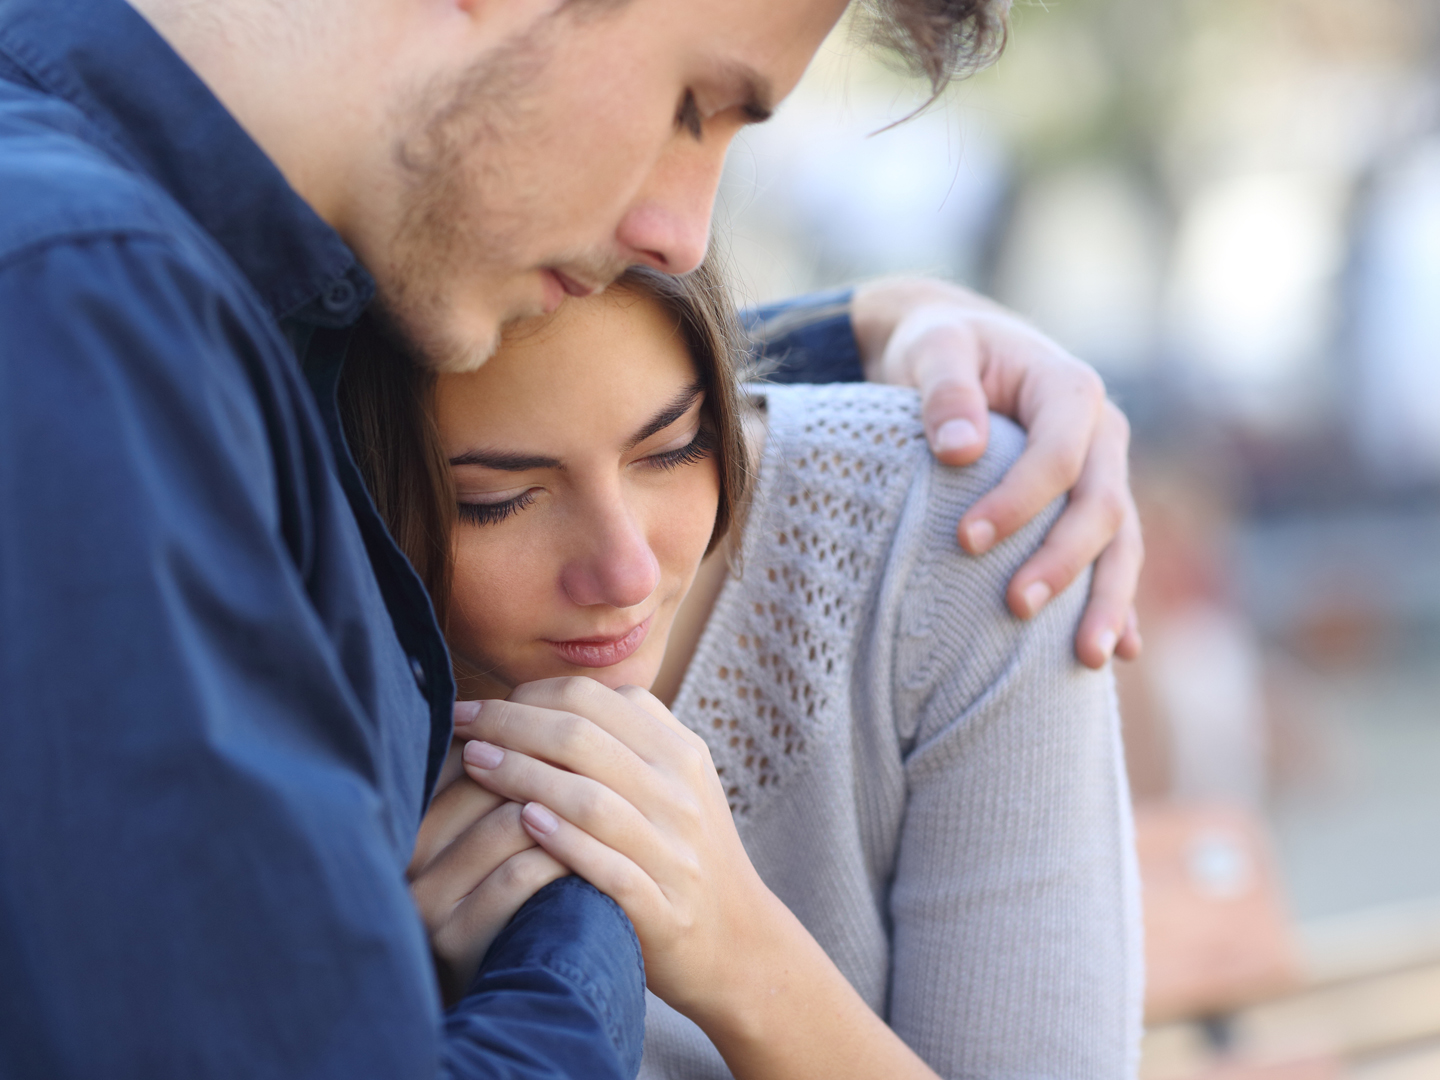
{"points": [[617, 310], [607, 358]]}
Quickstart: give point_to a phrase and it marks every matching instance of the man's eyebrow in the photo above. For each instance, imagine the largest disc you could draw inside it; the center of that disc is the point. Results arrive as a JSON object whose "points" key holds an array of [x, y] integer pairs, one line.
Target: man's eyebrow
{"points": [[683, 403], [756, 94], [506, 461]]}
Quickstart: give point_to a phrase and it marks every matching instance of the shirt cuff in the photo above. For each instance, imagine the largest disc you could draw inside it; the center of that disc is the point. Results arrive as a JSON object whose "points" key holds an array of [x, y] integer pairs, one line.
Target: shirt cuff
{"points": [[561, 992]]}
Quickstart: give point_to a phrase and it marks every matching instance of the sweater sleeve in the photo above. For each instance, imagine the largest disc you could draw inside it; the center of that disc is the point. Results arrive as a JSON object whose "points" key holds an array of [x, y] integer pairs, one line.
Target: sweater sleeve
{"points": [[1014, 904]]}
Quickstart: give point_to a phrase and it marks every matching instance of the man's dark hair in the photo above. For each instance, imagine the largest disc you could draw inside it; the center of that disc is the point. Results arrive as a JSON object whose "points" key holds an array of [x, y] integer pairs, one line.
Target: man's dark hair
{"points": [[940, 39]]}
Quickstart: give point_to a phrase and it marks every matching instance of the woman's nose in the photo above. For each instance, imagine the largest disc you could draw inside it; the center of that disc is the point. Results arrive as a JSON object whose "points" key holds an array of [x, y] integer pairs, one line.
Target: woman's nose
{"points": [[616, 566]]}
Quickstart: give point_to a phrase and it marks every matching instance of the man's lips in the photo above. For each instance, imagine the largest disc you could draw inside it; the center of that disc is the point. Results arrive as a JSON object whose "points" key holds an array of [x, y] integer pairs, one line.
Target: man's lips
{"points": [[602, 652], [558, 285], [574, 287]]}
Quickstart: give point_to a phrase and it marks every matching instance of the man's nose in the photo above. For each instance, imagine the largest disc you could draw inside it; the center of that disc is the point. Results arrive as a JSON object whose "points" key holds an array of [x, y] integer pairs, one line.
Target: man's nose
{"points": [[668, 224], [615, 567]]}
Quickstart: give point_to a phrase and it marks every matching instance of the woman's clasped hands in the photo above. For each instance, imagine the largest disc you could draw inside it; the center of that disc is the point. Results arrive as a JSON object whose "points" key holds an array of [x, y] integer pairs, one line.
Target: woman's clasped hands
{"points": [[474, 866], [618, 790], [569, 774]]}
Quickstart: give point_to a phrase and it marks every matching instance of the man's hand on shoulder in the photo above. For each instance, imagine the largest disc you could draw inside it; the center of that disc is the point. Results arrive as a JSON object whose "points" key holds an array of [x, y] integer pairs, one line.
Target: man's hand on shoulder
{"points": [[968, 355]]}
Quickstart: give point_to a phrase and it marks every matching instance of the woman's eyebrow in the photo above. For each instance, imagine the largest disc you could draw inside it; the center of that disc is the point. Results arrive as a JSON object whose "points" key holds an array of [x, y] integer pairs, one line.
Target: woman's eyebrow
{"points": [[506, 461], [683, 403]]}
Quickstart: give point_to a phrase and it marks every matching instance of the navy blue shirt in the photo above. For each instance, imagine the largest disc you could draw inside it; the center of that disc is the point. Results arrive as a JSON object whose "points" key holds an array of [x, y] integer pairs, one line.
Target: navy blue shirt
{"points": [[223, 696]]}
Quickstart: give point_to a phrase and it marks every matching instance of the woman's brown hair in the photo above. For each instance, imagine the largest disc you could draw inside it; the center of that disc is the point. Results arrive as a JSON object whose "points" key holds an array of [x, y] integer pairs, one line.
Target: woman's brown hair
{"points": [[387, 406]]}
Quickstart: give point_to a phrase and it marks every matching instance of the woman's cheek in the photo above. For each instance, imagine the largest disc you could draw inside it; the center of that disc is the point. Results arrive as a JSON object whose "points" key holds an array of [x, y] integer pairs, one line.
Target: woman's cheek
{"points": [[700, 496], [494, 596]]}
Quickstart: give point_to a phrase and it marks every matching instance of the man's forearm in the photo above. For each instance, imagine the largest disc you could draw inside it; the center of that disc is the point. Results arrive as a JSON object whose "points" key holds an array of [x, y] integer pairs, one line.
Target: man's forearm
{"points": [[573, 947]]}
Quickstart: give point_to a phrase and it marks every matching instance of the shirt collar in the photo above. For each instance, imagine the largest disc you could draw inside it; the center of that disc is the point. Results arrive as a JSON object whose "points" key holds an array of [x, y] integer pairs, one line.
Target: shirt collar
{"points": [[104, 58]]}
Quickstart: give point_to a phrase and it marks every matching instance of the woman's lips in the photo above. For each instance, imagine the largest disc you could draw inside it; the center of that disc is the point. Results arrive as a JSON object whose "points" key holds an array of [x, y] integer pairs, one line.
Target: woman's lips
{"points": [[602, 652]]}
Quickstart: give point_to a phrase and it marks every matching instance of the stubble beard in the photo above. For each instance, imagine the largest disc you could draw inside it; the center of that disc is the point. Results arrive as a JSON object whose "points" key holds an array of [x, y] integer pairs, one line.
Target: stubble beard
{"points": [[452, 227]]}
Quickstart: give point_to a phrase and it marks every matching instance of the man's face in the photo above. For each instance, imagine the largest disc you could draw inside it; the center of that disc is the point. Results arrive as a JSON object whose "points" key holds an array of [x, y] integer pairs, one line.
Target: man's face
{"points": [[591, 141]]}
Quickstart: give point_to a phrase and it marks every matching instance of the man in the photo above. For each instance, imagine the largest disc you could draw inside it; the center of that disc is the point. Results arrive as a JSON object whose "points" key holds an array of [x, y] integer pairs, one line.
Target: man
{"points": [[225, 700]]}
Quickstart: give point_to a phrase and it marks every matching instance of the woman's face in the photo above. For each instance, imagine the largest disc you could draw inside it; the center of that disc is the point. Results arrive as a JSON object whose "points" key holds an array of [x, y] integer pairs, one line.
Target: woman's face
{"points": [[587, 491]]}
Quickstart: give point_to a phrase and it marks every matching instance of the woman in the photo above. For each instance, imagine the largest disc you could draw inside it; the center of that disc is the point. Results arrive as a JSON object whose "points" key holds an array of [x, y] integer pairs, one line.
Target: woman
{"points": [[889, 832]]}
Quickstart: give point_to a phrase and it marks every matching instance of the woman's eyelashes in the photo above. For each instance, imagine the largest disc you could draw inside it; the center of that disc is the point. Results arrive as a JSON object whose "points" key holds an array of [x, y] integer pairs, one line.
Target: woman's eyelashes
{"points": [[481, 513], [700, 447], [697, 449]]}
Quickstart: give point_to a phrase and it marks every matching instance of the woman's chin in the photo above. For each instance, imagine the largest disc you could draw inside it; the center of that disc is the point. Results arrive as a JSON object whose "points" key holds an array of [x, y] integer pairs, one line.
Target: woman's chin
{"points": [[638, 669]]}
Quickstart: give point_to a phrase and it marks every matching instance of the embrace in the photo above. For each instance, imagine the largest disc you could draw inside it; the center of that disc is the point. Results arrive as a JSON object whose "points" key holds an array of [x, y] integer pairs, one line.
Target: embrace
{"points": [[441, 637]]}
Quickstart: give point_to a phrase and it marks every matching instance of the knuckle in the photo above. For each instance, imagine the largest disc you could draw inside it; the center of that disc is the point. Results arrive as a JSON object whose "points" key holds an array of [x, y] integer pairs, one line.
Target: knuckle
{"points": [[623, 883], [577, 689], [688, 811], [1133, 528], [691, 867], [951, 395], [505, 818], [551, 867], [684, 920], [508, 875], [695, 742], [520, 873], [1112, 505], [592, 802], [434, 911], [1118, 422], [685, 877], [632, 884], [694, 760], [1060, 567], [1132, 540], [574, 734], [1062, 468], [1089, 384], [448, 941]]}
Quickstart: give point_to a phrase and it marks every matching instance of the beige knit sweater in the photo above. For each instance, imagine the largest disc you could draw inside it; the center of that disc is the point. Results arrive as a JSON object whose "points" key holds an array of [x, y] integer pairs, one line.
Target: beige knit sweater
{"points": [[934, 787]]}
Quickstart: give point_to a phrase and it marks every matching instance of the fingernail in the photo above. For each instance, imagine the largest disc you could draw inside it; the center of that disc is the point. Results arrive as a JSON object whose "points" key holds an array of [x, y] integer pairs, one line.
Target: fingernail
{"points": [[539, 819], [979, 535], [955, 435], [465, 712], [1107, 641], [1036, 596], [483, 755]]}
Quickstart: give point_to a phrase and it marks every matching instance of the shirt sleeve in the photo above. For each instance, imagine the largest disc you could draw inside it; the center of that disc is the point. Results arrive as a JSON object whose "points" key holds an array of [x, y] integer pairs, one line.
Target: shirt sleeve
{"points": [[1015, 902], [806, 340], [544, 999], [197, 875]]}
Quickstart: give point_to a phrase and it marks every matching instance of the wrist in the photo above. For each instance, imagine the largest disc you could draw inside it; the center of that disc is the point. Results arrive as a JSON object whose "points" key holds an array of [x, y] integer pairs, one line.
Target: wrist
{"points": [[771, 967], [877, 308]]}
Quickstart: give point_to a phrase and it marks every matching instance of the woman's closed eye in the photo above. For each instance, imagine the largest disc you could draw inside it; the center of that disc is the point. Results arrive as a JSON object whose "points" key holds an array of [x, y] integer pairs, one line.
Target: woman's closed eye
{"points": [[699, 447], [487, 510], [491, 508]]}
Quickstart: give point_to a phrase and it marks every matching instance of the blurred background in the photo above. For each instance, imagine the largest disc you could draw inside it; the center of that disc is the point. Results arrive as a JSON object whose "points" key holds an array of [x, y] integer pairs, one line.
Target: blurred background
{"points": [[1232, 209]]}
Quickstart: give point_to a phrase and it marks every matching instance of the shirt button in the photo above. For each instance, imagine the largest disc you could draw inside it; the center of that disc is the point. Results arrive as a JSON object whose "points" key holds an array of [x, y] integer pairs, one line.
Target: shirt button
{"points": [[418, 670], [339, 298]]}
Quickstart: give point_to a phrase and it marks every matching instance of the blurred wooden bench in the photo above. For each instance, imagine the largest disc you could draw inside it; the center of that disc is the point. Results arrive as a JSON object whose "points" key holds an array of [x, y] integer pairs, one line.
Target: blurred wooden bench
{"points": [[1217, 936], [1238, 993]]}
